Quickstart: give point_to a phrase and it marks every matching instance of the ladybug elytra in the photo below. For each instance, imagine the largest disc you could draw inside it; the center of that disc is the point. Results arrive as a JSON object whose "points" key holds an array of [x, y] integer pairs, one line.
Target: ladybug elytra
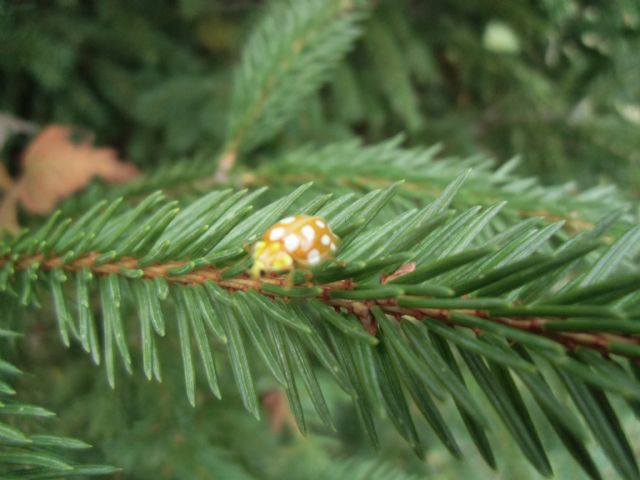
{"points": [[297, 241]]}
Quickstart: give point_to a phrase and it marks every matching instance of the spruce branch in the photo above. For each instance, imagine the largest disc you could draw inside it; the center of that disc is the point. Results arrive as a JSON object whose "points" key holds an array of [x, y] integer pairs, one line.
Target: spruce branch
{"points": [[350, 164], [28, 455], [404, 290], [463, 296], [288, 57], [558, 323]]}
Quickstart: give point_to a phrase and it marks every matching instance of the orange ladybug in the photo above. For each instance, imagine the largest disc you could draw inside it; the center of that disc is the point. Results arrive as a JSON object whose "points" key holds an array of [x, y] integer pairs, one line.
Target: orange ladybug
{"points": [[297, 241]]}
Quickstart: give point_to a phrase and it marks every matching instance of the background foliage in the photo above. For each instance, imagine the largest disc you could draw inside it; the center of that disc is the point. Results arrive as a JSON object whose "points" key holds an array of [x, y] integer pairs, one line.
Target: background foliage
{"points": [[280, 94]]}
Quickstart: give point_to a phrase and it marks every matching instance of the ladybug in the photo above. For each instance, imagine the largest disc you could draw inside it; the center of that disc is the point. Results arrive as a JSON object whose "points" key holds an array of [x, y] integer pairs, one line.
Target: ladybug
{"points": [[298, 241]]}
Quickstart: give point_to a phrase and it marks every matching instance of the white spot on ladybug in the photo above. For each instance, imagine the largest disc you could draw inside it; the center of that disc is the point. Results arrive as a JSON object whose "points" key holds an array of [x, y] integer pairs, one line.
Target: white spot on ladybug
{"points": [[291, 242], [308, 232], [320, 223], [333, 246], [276, 233], [313, 257], [288, 220], [325, 239]]}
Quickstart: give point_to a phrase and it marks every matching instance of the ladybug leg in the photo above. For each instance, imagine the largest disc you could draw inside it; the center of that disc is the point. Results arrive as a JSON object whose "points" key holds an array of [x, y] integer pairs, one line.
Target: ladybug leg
{"points": [[308, 275], [252, 243], [290, 279], [298, 276]]}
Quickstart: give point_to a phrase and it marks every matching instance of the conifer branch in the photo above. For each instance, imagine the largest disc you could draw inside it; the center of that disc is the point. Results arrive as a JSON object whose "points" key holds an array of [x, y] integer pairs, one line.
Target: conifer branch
{"points": [[361, 167], [462, 295], [351, 166], [508, 302], [288, 57], [626, 343], [25, 453]]}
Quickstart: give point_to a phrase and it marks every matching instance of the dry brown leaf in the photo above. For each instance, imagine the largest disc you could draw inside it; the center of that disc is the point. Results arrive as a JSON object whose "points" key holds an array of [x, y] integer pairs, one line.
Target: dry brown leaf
{"points": [[9, 210], [278, 411], [54, 167], [6, 182], [9, 202]]}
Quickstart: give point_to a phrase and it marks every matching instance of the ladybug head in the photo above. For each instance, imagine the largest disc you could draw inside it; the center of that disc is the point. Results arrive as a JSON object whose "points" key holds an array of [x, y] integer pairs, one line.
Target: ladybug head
{"points": [[269, 257]]}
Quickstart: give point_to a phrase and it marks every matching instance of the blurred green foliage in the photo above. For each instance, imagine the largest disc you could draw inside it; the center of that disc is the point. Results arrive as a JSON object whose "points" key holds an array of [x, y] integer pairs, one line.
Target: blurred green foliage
{"points": [[555, 81]]}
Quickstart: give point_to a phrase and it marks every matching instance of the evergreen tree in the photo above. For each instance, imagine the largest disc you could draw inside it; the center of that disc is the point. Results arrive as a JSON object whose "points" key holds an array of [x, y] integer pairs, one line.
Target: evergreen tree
{"points": [[471, 312]]}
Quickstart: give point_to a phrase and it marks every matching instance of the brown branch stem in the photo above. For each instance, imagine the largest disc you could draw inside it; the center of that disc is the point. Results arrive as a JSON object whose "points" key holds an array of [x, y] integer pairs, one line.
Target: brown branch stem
{"points": [[360, 308]]}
